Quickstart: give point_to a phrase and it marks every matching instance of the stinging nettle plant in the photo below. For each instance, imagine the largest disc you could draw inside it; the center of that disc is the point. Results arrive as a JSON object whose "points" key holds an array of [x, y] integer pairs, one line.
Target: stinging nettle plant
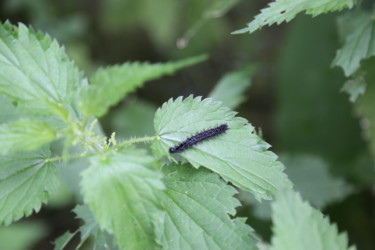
{"points": [[144, 199]]}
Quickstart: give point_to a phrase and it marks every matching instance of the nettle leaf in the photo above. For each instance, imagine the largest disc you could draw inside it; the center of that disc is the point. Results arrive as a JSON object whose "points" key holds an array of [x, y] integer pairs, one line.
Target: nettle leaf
{"points": [[26, 181], [35, 71], [25, 135], [359, 32], [197, 208], [355, 87], [285, 10], [232, 86], [238, 155], [109, 85], [122, 191], [297, 225]]}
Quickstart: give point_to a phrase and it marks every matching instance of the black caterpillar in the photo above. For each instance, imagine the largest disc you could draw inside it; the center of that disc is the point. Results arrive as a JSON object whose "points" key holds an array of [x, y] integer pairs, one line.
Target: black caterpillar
{"points": [[199, 137]]}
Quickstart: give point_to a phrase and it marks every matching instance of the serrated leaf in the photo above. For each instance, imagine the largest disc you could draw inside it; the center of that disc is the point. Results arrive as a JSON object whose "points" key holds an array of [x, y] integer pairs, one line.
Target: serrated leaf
{"points": [[230, 89], [359, 43], [122, 191], [25, 135], [109, 85], [285, 10], [311, 177], [297, 225], [238, 155], [62, 241], [355, 87], [197, 208], [26, 181], [35, 71]]}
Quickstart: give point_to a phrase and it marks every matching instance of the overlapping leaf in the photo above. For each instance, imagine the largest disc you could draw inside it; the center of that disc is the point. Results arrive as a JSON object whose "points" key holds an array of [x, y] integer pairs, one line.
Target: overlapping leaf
{"points": [[26, 181], [232, 86], [25, 135], [285, 10], [109, 85], [239, 155], [35, 71], [297, 225], [359, 33], [122, 191], [197, 208]]}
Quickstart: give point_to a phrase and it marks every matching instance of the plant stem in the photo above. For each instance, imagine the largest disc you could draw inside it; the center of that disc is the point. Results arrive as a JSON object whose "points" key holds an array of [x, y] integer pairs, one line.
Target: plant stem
{"points": [[67, 157], [134, 140]]}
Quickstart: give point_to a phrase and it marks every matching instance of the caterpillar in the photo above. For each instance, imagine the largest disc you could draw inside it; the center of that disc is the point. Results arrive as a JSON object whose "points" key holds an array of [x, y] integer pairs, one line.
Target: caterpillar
{"points": [[199, 137]]}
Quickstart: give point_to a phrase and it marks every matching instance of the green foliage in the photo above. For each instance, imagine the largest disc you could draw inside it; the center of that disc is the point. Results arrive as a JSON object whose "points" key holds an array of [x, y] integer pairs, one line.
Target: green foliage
{"points": [[285, 10], [355, 87], [297, 225], [24, 135], [232, 86], [109, 85], [26, 180], [239, 156], [122, 190], [35, 71], [358, 31], [197, 208]]}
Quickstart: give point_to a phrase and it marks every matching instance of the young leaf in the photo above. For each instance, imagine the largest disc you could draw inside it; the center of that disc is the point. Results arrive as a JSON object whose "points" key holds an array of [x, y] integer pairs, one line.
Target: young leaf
{"points": [[197, 208], [25, 135], [122, 192], [231, 87], [238, 155], [355, 87], [297, 225], [359, 44], [109, 85], [26, 181], [285, 10], [35, 70]]}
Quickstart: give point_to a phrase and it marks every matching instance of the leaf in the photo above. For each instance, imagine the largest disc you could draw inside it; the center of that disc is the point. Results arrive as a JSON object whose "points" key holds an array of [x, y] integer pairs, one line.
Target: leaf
{"points": [[359, 42], [285, 10], [22, 235], [197, 209], [8, 111], [35, 71], [232, 86], [239, 155], [122, 191], [311, 177], [62, 241], [355, 87], [26, 181], [109, 85], [25, 135], [297, 225]]}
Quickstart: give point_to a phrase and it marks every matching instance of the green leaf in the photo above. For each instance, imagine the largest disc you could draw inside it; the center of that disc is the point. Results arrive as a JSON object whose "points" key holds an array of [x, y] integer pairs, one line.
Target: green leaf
{"points": [[359, 32], [297, 225], [355, 87], [197, 209], [239, 155], [285, 10], [35, 71], [25, 135], [22, 235], [62, 241], [26, 181], [8, 111], [311, 177], [110, 85], [122, 191], [232, 86]]}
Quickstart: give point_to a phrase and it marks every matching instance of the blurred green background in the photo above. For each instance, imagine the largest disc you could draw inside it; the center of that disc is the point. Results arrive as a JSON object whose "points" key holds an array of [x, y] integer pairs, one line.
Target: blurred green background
{"points": [[291, 94]]}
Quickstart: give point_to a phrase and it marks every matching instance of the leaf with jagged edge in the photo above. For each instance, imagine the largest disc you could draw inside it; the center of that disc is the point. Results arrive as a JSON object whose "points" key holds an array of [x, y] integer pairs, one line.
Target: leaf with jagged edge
{"points": [[35, 71], [101, 239], [26, 181], [123, 190], [198, 205], [238, 155], [25, 135], [297, 225], [285, 10], [230, 89], [111, 84], [355, 87], [359, 32]]}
